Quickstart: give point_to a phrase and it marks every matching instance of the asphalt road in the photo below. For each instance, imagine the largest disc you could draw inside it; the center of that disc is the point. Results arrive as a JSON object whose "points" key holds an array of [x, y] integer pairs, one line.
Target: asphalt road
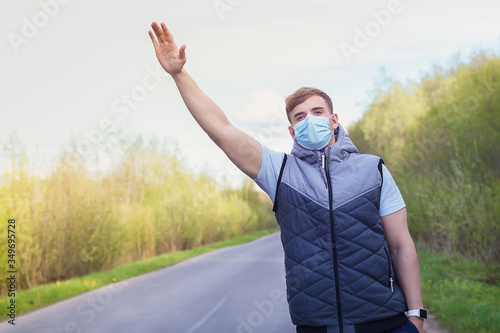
{"points": [[240, 289]]}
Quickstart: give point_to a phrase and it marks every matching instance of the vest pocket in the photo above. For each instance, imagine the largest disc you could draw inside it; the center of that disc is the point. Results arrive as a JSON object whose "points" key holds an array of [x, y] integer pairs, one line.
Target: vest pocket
{"points": [[390, 281]]}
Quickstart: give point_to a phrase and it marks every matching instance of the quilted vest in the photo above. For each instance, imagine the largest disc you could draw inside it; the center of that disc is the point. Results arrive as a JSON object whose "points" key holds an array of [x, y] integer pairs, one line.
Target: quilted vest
{"points": [[339, 272]]}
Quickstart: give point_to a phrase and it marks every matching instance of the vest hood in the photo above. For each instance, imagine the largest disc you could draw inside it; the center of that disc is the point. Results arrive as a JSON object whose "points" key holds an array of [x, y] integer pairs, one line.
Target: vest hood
{"points": [[337, 152]]}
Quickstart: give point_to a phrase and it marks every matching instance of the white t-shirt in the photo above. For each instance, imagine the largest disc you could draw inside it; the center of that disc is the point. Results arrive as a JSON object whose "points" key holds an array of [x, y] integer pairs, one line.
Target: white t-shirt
{"points": [[390, 198]]}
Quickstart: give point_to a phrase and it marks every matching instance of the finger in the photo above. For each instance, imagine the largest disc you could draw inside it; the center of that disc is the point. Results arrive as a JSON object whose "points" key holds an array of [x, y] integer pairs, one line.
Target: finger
{"points": [[168, 36], [182, 53], [153, 39], [158, 32]]}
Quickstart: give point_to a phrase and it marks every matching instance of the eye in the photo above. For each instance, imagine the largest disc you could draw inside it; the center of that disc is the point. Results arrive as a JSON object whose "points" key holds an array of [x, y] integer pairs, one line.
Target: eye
{"points": [[318, 112], [299, 118]]}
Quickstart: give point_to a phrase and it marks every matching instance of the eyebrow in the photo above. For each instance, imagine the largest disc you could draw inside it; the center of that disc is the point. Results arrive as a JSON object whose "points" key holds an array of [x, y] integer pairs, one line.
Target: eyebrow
{"points": [[300, 113]]}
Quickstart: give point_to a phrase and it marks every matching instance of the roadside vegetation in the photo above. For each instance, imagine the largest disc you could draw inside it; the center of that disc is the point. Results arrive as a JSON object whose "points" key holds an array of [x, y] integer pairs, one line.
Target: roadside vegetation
{"points": [[440, 138], [43, 295], [73, 221]]}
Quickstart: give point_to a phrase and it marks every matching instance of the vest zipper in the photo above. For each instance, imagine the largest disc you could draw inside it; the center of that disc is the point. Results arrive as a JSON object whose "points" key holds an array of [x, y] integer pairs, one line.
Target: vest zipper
{"points": [[334, 246], [391, 281], [321, 165]]}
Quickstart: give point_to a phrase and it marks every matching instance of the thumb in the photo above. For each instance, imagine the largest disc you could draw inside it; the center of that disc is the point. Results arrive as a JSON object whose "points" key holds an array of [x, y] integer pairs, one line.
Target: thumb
{"points": [[182, 53]]}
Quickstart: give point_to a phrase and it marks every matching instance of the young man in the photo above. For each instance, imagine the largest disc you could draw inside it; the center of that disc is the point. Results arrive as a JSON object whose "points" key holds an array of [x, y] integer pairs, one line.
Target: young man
{"points": [[351, 265]]}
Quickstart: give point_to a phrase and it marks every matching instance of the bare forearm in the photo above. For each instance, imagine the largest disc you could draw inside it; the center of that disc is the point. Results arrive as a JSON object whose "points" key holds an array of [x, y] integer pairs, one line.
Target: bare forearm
{"points": [[408, 272], [405, 260], [208, 115]]}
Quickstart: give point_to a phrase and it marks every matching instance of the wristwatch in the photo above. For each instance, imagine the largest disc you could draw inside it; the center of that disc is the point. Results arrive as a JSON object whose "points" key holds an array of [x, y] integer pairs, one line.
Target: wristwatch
{"points": [[420, 313]]}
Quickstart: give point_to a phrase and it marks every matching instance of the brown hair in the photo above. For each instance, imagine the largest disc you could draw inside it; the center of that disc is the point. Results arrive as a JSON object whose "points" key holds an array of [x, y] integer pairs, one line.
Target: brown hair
{"points": [[300, 95]]}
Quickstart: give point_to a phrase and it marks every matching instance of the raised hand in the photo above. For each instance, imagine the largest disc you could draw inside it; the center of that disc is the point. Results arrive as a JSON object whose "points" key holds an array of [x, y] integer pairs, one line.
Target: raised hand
{"points": [[170, 57], [242, 149]]}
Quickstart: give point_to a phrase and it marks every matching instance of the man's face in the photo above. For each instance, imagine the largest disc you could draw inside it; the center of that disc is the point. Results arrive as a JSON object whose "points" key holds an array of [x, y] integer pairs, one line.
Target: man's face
{"points": [[314, 106]]}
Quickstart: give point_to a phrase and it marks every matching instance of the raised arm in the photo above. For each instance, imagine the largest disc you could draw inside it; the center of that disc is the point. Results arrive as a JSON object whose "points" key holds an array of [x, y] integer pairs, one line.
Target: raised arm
{"points": [[243, 150]]}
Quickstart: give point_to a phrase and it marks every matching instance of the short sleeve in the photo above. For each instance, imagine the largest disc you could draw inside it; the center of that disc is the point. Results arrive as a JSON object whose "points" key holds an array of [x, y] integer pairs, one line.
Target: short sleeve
{"points": [[267, 177], [390, 199]]}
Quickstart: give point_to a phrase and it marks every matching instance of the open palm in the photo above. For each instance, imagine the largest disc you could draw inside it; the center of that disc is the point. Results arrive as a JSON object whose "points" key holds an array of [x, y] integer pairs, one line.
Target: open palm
{"points": [[171, 58]]}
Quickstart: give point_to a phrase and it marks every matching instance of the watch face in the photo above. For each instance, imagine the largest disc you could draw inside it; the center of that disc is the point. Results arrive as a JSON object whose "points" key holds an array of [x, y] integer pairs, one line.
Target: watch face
{"points": [[423, 313]]}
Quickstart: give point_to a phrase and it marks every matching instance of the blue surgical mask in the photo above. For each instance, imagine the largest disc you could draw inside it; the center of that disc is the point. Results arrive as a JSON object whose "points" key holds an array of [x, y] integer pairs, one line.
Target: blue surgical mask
{"points": [[313, 132]]}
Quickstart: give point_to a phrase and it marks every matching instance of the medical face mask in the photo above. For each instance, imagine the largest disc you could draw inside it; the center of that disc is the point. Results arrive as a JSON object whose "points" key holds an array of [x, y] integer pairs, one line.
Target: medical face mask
{"points": [[313, 132]]}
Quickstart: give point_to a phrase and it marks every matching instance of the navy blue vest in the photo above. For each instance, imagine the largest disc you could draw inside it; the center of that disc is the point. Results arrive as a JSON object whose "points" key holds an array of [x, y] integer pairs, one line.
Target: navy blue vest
{"points": [[338, 268]]}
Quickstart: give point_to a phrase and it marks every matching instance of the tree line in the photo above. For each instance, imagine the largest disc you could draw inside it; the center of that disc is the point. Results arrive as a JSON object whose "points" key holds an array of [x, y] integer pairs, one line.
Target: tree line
{"points": [[440, 138], [74, 221]]}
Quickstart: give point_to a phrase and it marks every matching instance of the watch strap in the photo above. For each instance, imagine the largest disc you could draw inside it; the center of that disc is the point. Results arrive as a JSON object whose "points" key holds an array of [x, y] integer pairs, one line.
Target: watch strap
{"points": [[420, 313]]}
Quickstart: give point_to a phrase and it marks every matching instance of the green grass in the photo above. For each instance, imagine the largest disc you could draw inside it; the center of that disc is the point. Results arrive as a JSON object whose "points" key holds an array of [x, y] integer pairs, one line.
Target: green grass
{"points": [[40, 296], [454, 289]]}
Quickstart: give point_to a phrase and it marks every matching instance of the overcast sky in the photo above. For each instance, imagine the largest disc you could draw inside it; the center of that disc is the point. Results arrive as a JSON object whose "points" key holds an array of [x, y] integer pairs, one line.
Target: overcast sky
{"points": [[84, 67]]}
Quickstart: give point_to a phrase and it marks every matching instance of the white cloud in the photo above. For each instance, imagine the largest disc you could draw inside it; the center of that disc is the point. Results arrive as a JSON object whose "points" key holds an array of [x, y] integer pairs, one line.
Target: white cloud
{"points": [[264, 118], [259, 109]]}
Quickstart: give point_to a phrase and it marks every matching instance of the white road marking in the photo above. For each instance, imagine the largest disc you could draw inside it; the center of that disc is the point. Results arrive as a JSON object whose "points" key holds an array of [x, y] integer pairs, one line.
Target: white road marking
{"points": [[207, 316]]}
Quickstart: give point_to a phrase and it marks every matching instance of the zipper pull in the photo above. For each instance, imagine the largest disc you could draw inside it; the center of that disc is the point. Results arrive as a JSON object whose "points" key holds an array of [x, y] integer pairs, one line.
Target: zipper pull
{"points": [[392, 287], [323, 160]]}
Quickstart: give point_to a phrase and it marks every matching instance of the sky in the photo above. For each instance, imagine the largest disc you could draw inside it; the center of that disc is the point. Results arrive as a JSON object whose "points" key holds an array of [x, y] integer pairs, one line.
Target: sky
{"points": [[87, 69]]}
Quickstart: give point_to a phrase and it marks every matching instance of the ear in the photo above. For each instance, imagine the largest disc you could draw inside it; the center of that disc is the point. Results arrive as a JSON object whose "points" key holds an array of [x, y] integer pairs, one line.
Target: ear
{"points": [[292, 132], [334, 121]]}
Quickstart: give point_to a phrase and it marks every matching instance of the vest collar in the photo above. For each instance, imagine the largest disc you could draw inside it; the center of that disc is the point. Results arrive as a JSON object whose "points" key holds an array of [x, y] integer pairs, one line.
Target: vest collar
{"points": [[337, 152]]}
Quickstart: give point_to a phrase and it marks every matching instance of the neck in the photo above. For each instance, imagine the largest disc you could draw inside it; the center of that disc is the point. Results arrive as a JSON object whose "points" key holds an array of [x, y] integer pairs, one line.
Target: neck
{"points": [[332, 140]]}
